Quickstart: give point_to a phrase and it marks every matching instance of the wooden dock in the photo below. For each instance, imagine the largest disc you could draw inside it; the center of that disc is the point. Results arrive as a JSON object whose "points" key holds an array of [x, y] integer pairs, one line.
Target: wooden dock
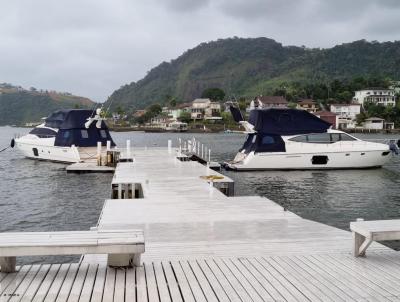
{"points": [[202, 245]]}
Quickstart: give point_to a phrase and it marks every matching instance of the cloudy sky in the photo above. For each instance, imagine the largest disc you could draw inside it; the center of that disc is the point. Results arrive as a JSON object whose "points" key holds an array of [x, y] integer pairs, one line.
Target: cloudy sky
{"points": [[92, 47]]}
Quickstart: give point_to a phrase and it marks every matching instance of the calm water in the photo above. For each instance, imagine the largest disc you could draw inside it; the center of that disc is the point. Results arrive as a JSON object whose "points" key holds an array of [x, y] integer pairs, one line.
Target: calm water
{"points": [[41, 196]]}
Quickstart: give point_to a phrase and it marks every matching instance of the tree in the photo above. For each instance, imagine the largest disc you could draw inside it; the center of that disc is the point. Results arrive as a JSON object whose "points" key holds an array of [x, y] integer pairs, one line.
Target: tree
{"points": [[172, 103], [185, 117], [214, 94], [154, 109]]}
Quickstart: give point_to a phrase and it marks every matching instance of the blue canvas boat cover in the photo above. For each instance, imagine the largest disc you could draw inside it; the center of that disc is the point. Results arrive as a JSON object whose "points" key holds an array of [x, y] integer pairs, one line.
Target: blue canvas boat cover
{"points": [[70, 119], [287, 122], [72, 130]]}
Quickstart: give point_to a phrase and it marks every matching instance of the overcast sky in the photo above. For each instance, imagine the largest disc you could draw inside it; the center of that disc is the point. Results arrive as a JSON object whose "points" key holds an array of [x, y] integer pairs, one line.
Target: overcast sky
{"points": [[92, 47]]}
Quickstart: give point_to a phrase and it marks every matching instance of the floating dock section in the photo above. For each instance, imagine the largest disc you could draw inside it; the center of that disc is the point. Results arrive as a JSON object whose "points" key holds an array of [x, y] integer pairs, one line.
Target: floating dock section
{"points": [[204, 245]]}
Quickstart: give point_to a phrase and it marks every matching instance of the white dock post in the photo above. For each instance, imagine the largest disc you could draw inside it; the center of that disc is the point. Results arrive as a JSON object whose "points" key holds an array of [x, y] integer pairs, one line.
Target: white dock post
{"points": [[209, 155], [202, 151], [99, 153], [108, 145], [169, 146], [198, 148], [128, 148]]}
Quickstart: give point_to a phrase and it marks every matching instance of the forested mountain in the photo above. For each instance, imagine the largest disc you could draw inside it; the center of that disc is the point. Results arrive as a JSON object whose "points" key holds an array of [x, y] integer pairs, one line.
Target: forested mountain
{"points": [[249, 67], [19, 106]]}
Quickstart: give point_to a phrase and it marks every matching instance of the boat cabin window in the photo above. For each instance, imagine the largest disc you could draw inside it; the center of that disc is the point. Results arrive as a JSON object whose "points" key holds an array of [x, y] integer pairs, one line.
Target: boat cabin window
{"points": [[346, 137], [322, 138], [66, 134], [43, 132], [103, 133], [267, 140], [84, 134], [319, 138]]}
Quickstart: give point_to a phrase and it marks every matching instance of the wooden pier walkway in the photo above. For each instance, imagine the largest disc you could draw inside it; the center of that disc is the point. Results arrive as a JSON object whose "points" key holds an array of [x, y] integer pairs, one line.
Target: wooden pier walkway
{"points": [[204, 246], [327, 277]]}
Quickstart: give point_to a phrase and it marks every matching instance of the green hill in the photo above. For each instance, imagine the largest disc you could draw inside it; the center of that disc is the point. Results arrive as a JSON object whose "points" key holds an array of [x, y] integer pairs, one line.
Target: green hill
{"points": [[19, 106], [249, 67]]}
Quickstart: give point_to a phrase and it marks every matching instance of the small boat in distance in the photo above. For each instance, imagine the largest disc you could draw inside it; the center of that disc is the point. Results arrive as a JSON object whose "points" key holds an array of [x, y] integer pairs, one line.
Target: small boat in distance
{"points": [[291, 139], [65, 135]]}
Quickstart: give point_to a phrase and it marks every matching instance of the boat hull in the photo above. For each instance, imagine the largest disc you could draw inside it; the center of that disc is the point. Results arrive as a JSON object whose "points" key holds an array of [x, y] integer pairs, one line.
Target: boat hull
{"points": [[42, 149], [307, 161]]}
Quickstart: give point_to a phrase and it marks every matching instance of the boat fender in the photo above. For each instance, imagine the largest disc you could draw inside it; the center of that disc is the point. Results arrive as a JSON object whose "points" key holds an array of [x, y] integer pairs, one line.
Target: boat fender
{"points": [[394, 148], [12, 143]]}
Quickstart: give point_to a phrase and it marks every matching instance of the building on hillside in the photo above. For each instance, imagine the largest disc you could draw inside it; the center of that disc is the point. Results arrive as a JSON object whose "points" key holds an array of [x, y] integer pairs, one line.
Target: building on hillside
{"points": [[308, 105], [160, 121], [205, 109], [376, 95], [139, 113], [329, 117], [395, 85], [347, 114], [270, 102], [213, 112], [175, 112], [199, 107]]}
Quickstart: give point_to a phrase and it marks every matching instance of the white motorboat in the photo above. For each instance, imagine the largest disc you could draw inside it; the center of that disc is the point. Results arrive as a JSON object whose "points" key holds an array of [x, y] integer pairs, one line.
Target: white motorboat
{"points": [[64, 135], [291, 139]]}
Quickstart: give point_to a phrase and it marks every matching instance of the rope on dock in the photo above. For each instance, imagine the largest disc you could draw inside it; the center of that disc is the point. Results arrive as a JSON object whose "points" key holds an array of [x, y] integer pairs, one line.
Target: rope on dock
{"points": [[5, 148]]}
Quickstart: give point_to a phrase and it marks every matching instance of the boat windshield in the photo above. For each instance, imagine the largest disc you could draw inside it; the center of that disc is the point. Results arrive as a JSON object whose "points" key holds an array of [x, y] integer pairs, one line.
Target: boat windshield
{"points": [[322, 138]]}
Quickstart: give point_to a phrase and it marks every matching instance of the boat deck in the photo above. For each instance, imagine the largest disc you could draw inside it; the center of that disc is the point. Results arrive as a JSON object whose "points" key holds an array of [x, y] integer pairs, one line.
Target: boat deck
{"points": [[204, 246]]}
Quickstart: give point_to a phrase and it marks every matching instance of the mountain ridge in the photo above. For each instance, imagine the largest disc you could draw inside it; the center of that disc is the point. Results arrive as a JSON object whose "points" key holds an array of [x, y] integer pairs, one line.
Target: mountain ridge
{"points": [[19, 106], [253, 66]]}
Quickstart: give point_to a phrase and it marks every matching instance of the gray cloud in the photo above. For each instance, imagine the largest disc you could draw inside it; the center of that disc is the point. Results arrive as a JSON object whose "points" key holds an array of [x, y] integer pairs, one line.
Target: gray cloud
{"points": [[91, 47]]}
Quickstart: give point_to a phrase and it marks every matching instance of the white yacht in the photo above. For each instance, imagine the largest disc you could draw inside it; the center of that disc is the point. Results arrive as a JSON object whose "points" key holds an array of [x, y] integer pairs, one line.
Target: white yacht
{"points": [[65, 136], [291, 139]]}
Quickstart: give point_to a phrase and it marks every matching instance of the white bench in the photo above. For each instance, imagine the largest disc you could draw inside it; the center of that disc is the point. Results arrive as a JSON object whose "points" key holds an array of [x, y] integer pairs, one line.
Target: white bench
{"points": [[123, 247], [365, 232]]}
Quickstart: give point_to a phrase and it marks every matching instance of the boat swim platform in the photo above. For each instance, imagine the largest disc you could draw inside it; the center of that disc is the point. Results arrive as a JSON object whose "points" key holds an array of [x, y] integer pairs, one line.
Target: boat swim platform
{"points": [[202, 245]]}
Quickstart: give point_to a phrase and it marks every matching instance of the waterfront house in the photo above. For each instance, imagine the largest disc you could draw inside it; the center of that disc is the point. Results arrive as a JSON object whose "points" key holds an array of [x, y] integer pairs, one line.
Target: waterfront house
{"points": [[160, 121], [139, 113], [270, 102], [375, 123], [198, 108], [347, 114], [205, 109], [376, 95], [308, 105], [329, 117]]}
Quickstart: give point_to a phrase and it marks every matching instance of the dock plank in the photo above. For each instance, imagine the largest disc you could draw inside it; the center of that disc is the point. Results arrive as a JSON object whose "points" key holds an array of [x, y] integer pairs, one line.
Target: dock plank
{"points": [[161, 283], [152, 289], [98, 286], [141, 284], [34, 286], [171, 282], [57, 283], [46, 284], [130, 287], [9, 291], [23, 286], [88, 285], [119, 292], [109, 285], [182, 282]]}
